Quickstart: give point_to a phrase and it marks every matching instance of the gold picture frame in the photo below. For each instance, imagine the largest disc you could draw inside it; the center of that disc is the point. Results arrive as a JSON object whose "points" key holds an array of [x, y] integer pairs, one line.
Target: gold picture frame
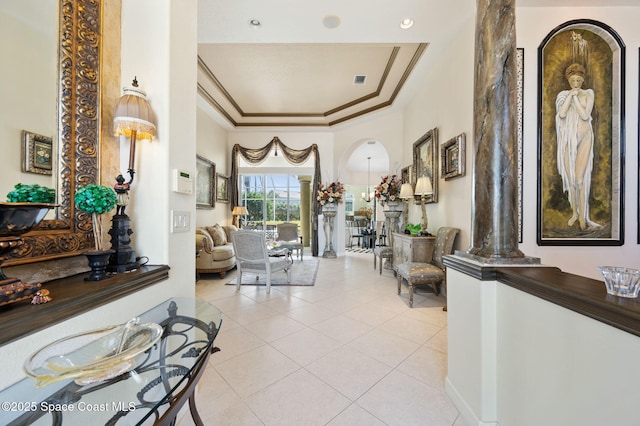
{"points": [[222, 188], [452, 157], [37, 153], [425, 163], [205, 183]]}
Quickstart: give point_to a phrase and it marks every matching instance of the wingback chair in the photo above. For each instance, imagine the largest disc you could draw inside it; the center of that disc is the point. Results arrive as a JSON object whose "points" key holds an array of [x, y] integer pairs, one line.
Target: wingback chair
{"points": [[288, 235], [252, 256], [417, 273]]}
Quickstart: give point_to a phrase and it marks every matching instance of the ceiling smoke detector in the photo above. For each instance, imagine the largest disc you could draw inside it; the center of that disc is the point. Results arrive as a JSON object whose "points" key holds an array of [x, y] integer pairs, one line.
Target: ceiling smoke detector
{"points": [[331, 21], [359, 79]]}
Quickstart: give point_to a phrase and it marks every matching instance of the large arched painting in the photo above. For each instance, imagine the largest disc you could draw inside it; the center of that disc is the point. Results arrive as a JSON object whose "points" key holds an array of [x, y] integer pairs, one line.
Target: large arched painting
{"points": [[580, 135]]}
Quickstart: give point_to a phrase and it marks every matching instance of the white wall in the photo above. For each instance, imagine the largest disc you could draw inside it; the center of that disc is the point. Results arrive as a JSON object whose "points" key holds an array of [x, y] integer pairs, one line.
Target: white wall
{"points": [[533, 25], [446, 102], [211, 143], [515, 359]]}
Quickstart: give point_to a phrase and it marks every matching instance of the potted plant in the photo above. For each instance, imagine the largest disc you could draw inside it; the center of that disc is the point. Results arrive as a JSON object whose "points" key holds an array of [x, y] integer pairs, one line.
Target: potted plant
{"points": [[97, 200], [31, 194]]}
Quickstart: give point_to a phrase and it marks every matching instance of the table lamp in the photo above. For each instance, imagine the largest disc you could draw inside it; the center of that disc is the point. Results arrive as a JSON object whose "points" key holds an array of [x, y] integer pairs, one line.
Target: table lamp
{"points": [[406, 193], [423, 188], [133, 118], [237, 212]]}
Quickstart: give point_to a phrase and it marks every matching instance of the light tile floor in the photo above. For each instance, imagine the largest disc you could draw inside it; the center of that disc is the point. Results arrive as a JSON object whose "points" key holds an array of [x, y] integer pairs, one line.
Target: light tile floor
{"points": [[347, 351]]}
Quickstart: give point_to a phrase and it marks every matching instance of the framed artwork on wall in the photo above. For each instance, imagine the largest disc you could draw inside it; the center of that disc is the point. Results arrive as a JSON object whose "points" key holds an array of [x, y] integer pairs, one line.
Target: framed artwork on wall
{"points": [[37, 153], [205, 183], [452, 157], [222, 188], [580, 198], [406, 174], [425, 162]]}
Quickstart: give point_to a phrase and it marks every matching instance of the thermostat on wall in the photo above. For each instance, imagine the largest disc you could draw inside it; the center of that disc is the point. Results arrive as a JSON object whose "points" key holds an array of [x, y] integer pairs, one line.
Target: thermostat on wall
{"points": [[182, 181]]}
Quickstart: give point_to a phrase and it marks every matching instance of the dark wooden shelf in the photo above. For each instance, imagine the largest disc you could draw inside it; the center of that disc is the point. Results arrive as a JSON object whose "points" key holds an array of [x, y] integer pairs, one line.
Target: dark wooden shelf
{"points": [[580, 294], [73, 296]]}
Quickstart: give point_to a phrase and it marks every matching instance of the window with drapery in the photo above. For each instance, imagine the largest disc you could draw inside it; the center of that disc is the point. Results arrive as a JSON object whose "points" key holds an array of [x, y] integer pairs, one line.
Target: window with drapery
{"points": [[270, 199], [294, 156]]}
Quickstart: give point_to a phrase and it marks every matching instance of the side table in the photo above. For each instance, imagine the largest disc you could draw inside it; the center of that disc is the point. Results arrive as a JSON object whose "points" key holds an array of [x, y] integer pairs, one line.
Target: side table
{"points": [[152, 393]]}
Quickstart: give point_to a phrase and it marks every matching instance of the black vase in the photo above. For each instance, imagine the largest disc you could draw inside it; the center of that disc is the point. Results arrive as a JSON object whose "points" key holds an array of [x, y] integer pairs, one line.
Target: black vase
{"points": [[98, 262]]}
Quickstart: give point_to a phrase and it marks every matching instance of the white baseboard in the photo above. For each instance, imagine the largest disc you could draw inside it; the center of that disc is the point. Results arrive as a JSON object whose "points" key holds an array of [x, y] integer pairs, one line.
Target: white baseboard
{"points": [[468, 415]]}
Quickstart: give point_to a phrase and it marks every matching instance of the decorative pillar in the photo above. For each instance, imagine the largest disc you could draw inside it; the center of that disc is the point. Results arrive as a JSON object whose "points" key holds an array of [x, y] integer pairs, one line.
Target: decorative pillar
{"points": [[329, 212], [392, 218], [305, 209], [494, 229]]}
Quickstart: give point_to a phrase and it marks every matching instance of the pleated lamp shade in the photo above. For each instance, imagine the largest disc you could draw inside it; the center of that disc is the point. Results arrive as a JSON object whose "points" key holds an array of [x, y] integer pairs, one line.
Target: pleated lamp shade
{"points": [[133, 112]]}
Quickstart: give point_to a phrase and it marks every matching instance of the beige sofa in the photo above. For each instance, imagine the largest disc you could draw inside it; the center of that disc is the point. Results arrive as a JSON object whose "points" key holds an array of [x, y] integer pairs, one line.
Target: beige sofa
{"points": [[214, 251]]}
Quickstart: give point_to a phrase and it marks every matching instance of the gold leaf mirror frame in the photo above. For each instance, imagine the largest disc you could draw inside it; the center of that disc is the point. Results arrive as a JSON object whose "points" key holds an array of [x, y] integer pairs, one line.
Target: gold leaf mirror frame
{"points": [[78, 134]]}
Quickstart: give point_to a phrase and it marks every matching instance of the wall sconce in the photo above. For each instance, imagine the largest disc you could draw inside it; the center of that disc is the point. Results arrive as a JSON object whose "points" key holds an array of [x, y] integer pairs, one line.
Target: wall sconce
{"points": [[406, 193], [133, 118], [423, 188], [237, 212]]}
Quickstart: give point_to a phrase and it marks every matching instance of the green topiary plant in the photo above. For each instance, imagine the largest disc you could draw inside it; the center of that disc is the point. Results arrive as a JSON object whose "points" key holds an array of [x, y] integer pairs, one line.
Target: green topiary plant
{"points": [[97, 200], [31, 194]]}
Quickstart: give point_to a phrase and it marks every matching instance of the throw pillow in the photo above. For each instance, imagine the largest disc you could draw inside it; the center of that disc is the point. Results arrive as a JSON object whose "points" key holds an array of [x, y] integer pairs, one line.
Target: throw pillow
{"points": [[228, 229], [218, 235]]}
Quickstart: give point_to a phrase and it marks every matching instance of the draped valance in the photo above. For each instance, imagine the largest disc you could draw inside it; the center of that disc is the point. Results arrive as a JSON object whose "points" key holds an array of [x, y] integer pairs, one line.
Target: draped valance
{"points": [[256, 156]]}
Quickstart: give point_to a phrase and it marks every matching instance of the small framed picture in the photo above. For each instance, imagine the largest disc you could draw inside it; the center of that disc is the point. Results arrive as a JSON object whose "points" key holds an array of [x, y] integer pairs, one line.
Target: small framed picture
{"points": [[205, 183], [37, 153], [452, 157], [222, 188], [406, 175]]}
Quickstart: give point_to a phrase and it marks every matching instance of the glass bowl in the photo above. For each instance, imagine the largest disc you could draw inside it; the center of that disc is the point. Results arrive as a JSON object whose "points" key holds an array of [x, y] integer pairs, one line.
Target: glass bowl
{"points": [[620, 281], [93, 356]]}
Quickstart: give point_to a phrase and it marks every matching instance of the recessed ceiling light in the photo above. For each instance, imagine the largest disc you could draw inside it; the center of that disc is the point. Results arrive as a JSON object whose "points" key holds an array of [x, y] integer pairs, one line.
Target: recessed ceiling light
{"points": [[406, 23], [331, 21], [255, 23]]}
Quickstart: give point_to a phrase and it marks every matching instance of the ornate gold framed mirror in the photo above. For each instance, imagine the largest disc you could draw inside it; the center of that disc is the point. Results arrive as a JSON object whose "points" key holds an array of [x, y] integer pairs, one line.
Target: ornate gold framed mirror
{"points": [[78, 134]]}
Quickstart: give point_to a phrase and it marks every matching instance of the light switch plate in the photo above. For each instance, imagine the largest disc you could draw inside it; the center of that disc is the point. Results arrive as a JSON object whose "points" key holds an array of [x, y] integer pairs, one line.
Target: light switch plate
{"points": [[180, 221]]}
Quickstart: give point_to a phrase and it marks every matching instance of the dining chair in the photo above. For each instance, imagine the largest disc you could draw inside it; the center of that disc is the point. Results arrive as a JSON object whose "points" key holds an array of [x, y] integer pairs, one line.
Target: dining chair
{"points": [[288, 236], [252, 255]]}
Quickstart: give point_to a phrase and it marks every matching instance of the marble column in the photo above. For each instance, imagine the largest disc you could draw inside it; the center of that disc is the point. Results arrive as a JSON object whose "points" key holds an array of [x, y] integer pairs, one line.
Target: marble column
{"points": [[494, 231], [305, 209]]}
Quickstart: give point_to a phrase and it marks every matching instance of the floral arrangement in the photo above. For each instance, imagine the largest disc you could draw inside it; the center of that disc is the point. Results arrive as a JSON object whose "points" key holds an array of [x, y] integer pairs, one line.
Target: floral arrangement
{"points": [[388, 189], [96, 199], [332, 193]]}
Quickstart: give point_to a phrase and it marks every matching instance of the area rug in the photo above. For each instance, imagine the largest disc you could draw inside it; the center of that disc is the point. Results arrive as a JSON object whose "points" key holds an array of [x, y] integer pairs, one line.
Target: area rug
{"points": [[303, 273]]}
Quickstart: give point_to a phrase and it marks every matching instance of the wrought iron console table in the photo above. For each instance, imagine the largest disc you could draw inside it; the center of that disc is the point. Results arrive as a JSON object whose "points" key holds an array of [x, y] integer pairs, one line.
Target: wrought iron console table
{"points": [[152, 393]]}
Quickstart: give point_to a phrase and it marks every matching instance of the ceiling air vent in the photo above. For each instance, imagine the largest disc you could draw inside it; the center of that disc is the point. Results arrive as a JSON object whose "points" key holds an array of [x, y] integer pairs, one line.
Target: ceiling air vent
{"points": [[359, 79]]}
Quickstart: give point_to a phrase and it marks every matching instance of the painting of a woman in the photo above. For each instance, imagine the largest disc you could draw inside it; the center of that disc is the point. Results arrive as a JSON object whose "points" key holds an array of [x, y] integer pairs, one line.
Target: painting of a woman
{"points": [[575, 144]]}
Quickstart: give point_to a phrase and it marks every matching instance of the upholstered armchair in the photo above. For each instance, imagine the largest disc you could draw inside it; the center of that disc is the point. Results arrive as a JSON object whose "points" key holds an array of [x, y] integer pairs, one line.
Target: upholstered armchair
{"points": [[417, 273], [252, 256], [288, 237]]}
